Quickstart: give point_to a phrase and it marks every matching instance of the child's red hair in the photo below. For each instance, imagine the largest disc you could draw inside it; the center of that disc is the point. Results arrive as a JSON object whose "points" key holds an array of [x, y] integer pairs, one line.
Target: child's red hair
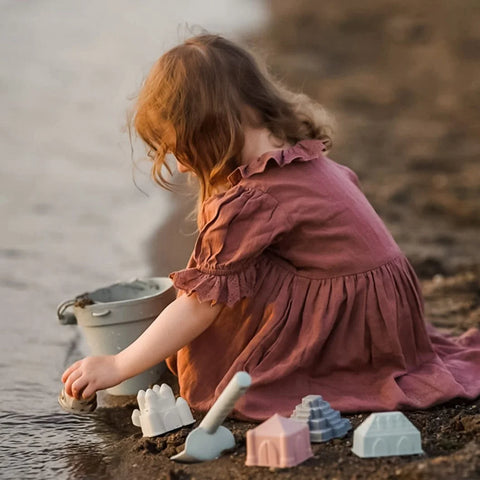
{"points": [[195, 103]]}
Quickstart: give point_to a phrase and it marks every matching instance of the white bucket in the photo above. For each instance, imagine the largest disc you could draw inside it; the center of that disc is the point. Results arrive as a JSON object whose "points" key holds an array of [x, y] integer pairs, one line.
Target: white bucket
{"points": [[119, 314]]}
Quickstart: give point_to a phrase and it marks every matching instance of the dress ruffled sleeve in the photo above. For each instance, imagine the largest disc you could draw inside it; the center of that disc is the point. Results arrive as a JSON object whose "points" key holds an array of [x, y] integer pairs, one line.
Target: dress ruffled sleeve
{"points": [[239, 225]]}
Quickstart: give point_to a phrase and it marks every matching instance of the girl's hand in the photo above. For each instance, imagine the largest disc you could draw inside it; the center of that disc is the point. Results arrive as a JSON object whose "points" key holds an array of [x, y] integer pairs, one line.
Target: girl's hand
{"points": [[85, 377], [178, 324]]}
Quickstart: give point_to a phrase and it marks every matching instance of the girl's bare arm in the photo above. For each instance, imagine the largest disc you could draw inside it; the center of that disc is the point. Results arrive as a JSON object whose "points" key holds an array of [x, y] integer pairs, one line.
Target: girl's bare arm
{"points": [[181, 322]]}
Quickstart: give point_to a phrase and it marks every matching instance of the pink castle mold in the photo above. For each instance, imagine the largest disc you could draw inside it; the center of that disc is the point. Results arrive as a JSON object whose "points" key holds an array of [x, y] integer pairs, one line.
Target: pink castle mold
{"points": [[278, 442]]}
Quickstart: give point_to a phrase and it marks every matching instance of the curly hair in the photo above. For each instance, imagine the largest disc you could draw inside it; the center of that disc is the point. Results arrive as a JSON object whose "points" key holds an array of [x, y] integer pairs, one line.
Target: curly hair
{"points": [[194, 104]]}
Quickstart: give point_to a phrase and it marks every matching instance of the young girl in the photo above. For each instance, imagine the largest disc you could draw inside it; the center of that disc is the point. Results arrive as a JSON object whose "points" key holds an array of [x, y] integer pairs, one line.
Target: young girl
{"points": [[294, 278]]}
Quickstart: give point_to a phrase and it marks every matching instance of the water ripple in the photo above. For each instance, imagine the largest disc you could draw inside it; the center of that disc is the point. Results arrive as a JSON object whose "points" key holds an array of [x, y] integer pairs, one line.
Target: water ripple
{"points": [[48, 445]]}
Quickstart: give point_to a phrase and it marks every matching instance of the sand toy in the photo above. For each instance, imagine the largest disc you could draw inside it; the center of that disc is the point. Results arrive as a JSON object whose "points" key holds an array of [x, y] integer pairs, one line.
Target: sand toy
{"points": [[323, 421], [159, 413], [73, 405], [113, 317], [386, 434], [278, 442], [210, 438]]}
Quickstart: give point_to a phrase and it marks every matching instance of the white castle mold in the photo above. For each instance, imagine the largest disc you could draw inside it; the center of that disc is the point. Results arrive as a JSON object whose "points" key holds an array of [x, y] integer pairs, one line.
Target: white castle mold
{"points": [[323, 421], [385, 434], [159, 413]]}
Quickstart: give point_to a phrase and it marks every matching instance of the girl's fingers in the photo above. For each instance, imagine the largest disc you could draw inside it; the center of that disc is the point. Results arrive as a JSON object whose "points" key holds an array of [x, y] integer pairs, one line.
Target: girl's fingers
{"points": [[78, 386], [69, 370], [70, 379], [88, 391]]}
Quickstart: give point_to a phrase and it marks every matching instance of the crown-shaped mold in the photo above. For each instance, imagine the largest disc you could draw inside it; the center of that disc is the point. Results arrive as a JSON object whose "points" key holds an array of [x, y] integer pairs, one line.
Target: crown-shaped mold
{"points": [[159, 412]]}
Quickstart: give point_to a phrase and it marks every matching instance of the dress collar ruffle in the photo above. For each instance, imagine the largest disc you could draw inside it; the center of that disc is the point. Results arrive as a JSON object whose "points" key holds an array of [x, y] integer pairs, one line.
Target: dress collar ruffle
{"points": [[303, 151]]}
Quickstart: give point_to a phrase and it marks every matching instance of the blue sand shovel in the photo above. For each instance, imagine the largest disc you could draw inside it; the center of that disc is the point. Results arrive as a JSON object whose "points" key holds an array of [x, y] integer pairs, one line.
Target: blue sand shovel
{"points": [[210, 438]]}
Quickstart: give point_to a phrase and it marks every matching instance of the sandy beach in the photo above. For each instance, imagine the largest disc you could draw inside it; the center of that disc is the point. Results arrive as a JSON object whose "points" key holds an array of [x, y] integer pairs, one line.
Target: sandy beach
{"points": [[79, 211]]}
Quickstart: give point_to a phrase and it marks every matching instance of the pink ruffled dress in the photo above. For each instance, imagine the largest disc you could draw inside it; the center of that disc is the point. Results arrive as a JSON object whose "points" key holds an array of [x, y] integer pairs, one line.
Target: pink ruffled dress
{"points": [[318, 298]]}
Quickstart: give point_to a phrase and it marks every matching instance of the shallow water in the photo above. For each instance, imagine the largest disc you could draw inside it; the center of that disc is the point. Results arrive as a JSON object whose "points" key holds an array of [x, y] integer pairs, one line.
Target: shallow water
{"points": [[72, 219]]}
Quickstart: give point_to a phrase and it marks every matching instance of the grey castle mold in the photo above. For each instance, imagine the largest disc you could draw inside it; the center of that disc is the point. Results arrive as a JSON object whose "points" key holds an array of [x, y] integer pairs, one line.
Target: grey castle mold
{"points": [[386, 433], [323, 421]]}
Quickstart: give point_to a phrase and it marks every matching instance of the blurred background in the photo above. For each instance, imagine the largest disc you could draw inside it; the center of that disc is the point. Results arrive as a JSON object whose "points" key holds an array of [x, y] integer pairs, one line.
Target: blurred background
{"points": [[402, 80], [78, 210]]}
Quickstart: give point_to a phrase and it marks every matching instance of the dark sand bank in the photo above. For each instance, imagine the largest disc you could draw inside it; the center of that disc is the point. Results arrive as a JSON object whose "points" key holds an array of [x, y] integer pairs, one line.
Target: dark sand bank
{"points": [[403, 82], [449, 436]]}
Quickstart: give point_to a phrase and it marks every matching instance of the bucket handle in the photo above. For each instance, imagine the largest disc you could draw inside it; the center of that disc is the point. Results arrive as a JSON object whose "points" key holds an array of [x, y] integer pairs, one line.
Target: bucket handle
{"points": [[100, 314], [66, 318]]}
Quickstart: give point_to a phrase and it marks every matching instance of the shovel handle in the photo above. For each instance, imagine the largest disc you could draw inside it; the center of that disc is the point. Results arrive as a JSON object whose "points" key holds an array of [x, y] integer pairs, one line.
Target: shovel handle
{"points": [[225, 402]]}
